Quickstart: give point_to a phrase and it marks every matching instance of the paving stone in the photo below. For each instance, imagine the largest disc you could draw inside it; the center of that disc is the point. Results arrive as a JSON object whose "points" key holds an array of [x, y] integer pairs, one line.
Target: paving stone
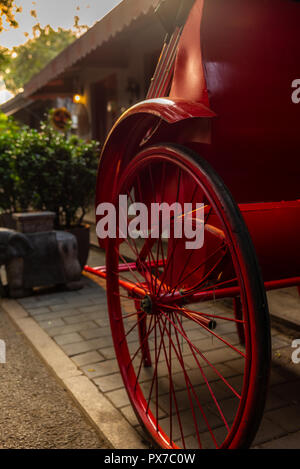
{"points": [[80, 347], [291, 441], [197, 334], [77, 318], [220, 355], [48, 302], [104, 368], [274, 402], [182, 399], [103, 322], [237, 365], [96, 297], [163, 369], [53, 323], [68, 339], [100, 300], [119, 398], [95, 315], [108, 352], [276, 377], [144, 436], [188, 424], [62, 307], [229, 409], [70, 295], [287, 368], [196, 377], [109, 383], [129, 414], [93, 293], [268, 430], [205, 438], [289, 392], [287, 417], [68, 329], [38, 310], [95, 332], [280, 342], [281, 354], [54, 315], [50, 295], [90, 309], [88, 358], [78, 301], [92, 289], [28, 302]]}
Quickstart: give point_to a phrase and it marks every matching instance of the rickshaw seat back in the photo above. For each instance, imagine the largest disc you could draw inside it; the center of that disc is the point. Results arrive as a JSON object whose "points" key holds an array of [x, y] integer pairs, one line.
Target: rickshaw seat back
{"points": [[240, 58]]}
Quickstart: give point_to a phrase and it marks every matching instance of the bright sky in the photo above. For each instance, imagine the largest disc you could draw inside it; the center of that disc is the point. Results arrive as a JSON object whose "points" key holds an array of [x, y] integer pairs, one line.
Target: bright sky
{"points": [[57, 13], [5, 95]]}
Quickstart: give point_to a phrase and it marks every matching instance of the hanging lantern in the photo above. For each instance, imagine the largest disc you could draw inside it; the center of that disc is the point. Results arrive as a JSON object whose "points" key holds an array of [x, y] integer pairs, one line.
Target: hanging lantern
{"points": [[60, 118]]}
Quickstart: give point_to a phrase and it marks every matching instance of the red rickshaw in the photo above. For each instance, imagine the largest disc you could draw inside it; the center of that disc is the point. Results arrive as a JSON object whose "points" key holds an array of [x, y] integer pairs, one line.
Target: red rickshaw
{"points": [[219, 127]]}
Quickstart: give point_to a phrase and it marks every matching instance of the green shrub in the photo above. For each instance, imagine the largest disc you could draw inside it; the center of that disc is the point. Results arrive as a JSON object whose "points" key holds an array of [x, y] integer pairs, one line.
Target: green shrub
{"points": [[47, 170], [9, 132]]}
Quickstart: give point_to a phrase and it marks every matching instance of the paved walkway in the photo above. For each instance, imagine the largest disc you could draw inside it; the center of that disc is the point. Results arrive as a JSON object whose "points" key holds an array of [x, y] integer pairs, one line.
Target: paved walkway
{"points": [[36, 411], [78, 323]]}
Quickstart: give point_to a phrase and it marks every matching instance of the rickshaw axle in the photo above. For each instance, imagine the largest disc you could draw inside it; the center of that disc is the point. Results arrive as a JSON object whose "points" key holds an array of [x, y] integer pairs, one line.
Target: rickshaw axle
{"points": [[179, 296]]}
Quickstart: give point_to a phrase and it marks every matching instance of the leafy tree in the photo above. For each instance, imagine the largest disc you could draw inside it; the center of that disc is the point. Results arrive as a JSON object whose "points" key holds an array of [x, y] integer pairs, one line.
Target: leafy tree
{"points": [[4, 58], [28, 59], [7, 12]]}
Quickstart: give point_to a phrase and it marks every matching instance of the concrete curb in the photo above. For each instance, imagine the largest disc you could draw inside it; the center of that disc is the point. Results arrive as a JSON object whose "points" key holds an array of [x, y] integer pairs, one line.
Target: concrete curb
{"points": [[107, 420]]}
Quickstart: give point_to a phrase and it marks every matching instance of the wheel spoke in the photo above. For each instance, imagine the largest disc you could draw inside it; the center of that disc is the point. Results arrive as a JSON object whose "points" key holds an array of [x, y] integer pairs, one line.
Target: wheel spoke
{"points": [[173, 391], [190, 388], [134, 326], [186, 292], [142, 343], [209, 387], [211, 332], [195, 349], [190, 314]]}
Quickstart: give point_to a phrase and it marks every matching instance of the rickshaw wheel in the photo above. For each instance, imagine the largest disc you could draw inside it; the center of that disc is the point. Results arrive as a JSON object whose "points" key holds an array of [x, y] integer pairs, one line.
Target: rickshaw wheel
{"points": [[190, 380]]}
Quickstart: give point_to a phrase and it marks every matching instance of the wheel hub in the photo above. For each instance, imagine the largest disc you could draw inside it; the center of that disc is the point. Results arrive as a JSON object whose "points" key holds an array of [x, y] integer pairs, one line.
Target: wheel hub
{"points": [[146, 305]]}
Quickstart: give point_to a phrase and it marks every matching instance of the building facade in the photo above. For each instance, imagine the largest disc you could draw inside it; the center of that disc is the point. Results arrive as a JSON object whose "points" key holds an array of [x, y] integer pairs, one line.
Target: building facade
{"points": [[100, 75]]}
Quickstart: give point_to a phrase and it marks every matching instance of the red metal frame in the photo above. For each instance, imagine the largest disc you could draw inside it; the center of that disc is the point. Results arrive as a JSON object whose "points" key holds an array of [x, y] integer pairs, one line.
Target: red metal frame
{"points": [[207, 295]]}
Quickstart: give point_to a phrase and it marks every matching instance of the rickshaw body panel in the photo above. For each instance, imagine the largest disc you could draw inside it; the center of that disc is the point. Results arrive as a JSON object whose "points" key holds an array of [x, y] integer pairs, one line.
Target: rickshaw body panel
{"points": [[274, 228], [240, 58]]}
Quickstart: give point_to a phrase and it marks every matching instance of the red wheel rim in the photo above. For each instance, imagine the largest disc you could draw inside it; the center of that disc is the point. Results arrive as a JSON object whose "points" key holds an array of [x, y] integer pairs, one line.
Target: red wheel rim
{"points": [[187, 398]]}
